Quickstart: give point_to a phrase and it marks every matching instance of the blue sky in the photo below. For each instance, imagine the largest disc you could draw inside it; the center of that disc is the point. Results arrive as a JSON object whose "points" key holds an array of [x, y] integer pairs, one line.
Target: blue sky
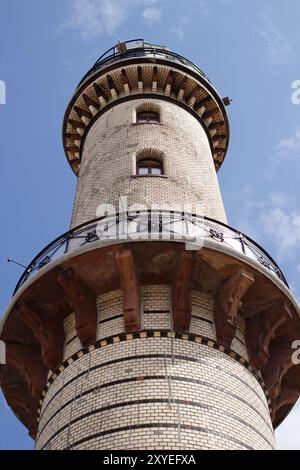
{"points": [[249, 49]]}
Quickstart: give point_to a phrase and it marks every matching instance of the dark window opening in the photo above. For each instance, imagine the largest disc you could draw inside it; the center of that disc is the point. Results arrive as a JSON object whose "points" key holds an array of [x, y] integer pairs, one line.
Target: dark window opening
{"points": [[147, 117], [149, 166]]}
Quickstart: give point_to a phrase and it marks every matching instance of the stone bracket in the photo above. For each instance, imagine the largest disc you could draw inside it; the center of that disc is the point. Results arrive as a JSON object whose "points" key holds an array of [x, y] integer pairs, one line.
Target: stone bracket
{"points": [[27, 361], [83, 301], [48, 330], [181, 303], [130, 289], [228, 303], [279, 363], [262, 328]]}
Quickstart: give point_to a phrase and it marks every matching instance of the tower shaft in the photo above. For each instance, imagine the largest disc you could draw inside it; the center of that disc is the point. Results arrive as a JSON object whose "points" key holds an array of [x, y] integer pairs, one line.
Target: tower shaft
{"points": [[151, 323], [116, 142]]}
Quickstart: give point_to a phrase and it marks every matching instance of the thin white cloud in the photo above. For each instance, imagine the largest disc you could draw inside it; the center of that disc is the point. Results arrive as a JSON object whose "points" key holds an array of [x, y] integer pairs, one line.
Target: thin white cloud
{"points": [[179, 29], [195, 9], [283, 226], [93, 18], [274, 221], [279, 199], [199, 8], [279, 49], [291, 144], [287, 149], [151, 15], [178, 32]]}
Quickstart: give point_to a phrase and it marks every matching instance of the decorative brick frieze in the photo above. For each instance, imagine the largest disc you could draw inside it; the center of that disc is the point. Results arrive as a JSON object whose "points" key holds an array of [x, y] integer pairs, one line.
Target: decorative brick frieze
{"points": [[191, 392]]}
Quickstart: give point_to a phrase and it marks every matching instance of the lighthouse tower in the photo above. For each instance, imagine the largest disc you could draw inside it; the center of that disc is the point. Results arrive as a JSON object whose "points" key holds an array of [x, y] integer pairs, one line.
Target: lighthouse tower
{"points": [[151, 323]]}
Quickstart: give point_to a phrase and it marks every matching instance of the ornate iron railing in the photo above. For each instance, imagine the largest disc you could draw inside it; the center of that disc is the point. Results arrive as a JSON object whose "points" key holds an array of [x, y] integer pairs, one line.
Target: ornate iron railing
{"points": [[140, 48], [151, 225]]}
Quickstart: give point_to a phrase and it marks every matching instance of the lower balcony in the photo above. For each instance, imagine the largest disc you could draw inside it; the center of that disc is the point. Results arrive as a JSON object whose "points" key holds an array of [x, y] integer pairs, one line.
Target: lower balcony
{"points": [[126, 252], [152, 225]]}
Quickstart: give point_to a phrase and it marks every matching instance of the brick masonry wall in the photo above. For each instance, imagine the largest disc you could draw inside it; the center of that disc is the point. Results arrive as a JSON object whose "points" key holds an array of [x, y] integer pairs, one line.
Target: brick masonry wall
{"points": [[107, 166], [154, 392]]}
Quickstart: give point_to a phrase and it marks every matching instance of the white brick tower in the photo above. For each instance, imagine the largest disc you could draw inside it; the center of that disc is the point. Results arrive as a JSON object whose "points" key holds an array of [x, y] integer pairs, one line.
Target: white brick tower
{"points": [[122, 334]]}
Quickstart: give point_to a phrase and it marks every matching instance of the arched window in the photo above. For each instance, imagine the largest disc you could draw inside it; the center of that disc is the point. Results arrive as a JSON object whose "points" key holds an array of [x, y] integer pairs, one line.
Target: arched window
{"points": [[149, 162], [149, 166], [147, 117]]}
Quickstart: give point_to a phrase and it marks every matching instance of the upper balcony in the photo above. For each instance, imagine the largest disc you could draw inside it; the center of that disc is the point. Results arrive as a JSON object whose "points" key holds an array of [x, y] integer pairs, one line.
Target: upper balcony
{"points": [[137, 48], [136, 69]]}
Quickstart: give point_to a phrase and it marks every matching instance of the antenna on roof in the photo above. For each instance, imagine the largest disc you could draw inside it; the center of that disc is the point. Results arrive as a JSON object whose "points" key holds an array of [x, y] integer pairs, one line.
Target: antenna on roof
{"points": [[16, 262]]}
